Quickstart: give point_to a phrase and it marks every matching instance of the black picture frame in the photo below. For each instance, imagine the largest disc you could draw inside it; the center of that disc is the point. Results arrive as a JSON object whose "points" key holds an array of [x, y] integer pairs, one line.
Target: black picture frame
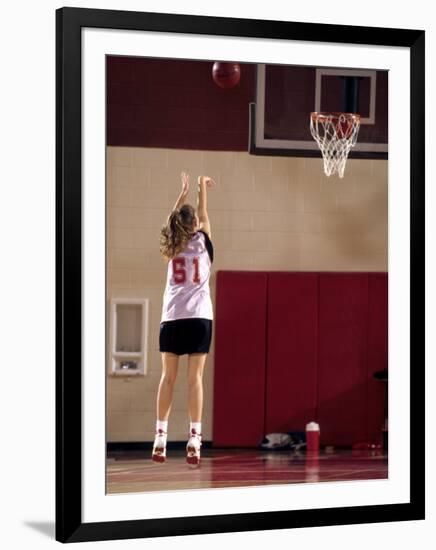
{"points": [[69, 525]]}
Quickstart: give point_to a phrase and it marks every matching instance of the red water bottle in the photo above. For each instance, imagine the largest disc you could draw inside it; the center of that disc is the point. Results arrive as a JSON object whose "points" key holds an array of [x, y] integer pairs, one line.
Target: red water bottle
{"points": [[312, 437]]}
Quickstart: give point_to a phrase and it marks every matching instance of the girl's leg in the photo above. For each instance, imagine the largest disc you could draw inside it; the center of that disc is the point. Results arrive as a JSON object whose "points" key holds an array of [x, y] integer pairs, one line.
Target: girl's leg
{"points": [[196, 363], [170, 364]]}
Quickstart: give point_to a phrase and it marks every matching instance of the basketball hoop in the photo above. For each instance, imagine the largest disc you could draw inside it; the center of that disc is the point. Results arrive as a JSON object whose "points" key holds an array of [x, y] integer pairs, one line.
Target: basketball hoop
{"points": [[336, 134]]}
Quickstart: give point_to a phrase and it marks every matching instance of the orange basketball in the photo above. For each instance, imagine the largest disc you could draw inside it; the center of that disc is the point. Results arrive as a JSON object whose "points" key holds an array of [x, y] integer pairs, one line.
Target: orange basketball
{"points": [[226, 75]]}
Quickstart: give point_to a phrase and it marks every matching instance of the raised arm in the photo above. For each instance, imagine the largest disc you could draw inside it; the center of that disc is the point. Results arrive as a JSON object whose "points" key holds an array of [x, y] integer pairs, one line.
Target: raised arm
{"points": [[183, 193], [203, 183]]}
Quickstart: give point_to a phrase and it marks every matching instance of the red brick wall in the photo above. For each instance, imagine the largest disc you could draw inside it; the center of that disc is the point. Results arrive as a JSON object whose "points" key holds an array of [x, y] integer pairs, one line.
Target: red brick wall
{"points": [[176, 104]]}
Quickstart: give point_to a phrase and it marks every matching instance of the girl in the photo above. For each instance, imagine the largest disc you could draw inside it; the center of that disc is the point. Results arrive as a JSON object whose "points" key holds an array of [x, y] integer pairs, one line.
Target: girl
{"points": [[187, 313]]}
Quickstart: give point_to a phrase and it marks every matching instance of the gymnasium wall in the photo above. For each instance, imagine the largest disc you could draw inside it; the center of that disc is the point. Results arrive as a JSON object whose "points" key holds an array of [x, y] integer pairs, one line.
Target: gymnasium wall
{"points": [[175, 103], [267, 213]]}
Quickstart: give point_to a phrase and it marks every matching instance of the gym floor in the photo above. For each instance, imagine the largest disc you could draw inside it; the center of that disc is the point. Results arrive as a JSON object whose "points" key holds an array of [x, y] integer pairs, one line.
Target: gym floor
{"points": [[134, 471]]}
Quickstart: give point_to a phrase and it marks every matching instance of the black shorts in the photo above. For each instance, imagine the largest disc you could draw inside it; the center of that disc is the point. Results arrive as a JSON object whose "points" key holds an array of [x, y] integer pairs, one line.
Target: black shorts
{"points": [[182, 336]]}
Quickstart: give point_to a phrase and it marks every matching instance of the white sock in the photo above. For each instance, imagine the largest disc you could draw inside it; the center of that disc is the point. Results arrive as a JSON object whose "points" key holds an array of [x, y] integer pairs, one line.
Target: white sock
{"points": [[196, 426], [162, 425]]}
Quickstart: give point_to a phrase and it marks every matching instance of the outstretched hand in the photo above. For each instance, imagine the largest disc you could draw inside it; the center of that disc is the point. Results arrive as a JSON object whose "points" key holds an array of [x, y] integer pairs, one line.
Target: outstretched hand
{"points": [[207, 180], [185, 182]]}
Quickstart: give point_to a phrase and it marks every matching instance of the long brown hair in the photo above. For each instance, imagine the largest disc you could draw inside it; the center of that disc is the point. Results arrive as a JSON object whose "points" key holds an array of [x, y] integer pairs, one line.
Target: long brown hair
{"points": [[175, 234]]}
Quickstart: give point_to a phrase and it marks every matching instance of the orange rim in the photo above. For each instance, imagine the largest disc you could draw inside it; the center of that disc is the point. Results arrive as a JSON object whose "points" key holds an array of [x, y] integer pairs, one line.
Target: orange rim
{"points": [[323, 115]]}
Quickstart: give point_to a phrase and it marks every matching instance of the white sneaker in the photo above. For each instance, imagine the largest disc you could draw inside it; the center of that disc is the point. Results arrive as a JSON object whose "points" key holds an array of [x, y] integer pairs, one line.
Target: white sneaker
{"points": [[193, 448], [160, 446]]}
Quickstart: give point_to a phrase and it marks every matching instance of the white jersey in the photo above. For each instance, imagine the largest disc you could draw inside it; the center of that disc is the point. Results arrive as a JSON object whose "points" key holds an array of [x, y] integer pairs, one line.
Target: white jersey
{"points": [[187, 292]]}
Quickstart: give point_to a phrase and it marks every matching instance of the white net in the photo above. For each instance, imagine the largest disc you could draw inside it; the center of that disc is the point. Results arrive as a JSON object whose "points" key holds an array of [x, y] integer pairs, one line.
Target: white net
{"points": [[336, 134]]}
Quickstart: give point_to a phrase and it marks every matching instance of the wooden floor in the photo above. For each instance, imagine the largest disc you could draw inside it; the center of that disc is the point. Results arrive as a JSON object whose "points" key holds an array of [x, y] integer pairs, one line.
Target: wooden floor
{"points": [[135, 472]]}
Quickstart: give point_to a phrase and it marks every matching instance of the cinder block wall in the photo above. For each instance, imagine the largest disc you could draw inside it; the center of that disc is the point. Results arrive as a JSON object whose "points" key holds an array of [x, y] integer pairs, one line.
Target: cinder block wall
{"points": [[267, 213]]}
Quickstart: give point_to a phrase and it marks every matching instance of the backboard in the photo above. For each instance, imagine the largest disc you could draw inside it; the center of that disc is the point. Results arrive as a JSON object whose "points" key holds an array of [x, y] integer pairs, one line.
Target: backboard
{"points": [[287, 94]]}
